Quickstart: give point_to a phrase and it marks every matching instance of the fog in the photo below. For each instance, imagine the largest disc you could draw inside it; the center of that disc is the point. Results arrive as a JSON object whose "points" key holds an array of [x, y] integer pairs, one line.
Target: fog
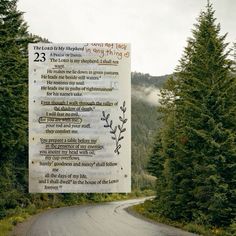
{"points": [[150, 95]]}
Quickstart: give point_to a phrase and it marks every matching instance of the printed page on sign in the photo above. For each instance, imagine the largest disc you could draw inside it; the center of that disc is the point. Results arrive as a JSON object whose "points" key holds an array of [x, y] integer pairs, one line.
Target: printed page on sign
{"points": [[79, 118]]}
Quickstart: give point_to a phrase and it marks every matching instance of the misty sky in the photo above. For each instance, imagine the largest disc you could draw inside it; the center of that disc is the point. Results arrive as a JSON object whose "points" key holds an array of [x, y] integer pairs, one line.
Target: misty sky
{"points": [[156, 29]]}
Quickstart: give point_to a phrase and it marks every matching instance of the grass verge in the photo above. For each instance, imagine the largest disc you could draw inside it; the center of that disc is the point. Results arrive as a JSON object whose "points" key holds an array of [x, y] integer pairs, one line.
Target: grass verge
{"points": [[19, 215], [146, 209]]}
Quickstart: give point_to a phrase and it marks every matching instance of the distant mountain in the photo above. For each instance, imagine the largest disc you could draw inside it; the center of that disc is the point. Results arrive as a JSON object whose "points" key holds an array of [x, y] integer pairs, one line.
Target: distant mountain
{"points": [[145, 123], [146, 80]]}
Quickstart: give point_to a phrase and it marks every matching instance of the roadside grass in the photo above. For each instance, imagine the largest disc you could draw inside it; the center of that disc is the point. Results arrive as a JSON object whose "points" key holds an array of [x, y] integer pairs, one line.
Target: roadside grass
{"points": [[5, 227], [16, 216], [146, 209], [19, 215]]}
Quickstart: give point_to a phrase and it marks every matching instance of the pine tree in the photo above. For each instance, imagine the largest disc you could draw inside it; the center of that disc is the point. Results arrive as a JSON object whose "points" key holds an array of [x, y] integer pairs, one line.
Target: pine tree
{"points": [[199, 170], [14, 39], [155, 164], [13, 80]]}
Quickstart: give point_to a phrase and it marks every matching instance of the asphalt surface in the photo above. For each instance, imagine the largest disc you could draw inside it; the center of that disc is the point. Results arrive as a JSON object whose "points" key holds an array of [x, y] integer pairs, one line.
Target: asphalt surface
{"points": [[109, 219]]}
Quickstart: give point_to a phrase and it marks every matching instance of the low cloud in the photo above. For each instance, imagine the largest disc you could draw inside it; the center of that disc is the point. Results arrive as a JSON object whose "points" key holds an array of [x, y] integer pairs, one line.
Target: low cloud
{"points": [[150, 95]]}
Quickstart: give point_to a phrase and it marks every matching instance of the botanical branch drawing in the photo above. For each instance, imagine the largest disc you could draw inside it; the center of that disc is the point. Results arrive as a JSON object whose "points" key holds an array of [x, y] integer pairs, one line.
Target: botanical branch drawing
{"points": [[116, 131]]}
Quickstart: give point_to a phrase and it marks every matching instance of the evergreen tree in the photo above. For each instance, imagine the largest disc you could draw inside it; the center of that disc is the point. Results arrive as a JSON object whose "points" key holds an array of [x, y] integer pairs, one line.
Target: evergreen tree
{"points": [[198, 178], [155, 164], [13, 80], [14, 39]]}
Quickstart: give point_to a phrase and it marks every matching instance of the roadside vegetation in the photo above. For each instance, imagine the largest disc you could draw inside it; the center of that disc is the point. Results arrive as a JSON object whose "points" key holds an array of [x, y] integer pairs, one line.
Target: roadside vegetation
{"points": [[194, 154], [147, 209], [45, 202], [192, 161], [16, 204]]}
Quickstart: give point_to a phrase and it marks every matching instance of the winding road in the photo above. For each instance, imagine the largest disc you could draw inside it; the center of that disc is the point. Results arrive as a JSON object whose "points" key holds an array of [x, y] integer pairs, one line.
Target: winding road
{"points": [[108, 219]]}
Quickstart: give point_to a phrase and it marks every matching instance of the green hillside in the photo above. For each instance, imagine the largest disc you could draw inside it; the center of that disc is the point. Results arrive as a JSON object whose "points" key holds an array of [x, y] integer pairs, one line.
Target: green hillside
{"points": [[145, 123]]}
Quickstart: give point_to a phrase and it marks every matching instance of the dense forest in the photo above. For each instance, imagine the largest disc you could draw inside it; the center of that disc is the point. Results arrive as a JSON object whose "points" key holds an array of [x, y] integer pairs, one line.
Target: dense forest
{"points": [[145, 124], [188, 144], [194, 156], [14, 38]]}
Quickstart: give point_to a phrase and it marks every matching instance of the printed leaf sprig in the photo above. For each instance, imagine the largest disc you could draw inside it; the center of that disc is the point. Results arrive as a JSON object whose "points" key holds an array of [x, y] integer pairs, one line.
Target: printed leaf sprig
{"points": [[116, 131]]}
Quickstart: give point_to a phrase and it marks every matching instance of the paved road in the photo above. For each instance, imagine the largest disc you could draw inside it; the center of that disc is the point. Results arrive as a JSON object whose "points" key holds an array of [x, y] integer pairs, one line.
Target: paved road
{"points": [[109, 219]]}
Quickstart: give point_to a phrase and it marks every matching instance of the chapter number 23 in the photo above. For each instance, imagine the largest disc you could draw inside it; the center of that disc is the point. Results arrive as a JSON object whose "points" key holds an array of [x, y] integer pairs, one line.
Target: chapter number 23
{"points": [[40, 57]]}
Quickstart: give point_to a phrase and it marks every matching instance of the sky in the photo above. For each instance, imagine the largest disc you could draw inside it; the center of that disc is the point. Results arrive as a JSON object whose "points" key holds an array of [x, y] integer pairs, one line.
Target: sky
{"points": [[156, 29]]}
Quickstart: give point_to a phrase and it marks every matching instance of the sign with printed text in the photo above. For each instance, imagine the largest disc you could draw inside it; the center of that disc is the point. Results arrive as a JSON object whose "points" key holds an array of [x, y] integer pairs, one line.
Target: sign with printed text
{"points": [[79, 117]]}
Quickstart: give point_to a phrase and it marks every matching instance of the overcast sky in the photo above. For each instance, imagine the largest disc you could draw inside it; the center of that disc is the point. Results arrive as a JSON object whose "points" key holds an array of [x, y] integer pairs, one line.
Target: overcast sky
{"points": [[156, 29]]}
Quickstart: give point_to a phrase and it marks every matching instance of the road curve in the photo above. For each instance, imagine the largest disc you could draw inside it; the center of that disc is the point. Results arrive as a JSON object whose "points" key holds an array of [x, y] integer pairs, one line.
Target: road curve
{"points": [[109, 219]]}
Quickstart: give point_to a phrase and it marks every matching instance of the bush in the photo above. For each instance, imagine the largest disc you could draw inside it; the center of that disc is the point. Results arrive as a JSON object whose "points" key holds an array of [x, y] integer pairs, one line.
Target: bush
{"points": [[17, 219], [195, 228], [232, 229]]}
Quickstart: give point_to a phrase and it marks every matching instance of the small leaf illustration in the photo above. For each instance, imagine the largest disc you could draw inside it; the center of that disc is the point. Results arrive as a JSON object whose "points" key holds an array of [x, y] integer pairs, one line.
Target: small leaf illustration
{"points": [[117, 149], [108, 124]]}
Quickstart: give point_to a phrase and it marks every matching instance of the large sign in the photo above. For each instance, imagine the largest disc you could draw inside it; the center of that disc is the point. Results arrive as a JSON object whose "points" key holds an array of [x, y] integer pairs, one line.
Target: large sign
{"points": [[79, 117]]}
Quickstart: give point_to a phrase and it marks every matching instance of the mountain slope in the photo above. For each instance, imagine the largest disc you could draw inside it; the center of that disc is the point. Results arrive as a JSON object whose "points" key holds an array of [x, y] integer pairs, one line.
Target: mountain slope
{"points": [[145, 123]]}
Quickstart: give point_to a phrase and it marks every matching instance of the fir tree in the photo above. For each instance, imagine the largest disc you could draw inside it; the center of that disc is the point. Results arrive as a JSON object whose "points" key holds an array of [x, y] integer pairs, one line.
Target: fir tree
{"points": [[14, 39], [155, 164], [13, 80], [198, 178]]}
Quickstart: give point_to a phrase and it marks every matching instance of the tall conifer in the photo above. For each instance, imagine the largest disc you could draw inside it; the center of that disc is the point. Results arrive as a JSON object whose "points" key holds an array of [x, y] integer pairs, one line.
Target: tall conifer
{"points": [[13, 80], [198, 179], [14, 39]]}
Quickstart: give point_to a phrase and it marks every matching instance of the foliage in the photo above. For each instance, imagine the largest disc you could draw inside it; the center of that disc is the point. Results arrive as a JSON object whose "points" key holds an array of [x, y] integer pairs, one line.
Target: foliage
{"points": [[14, 38], [196, 154], [148, 210], [13, 57], [146, 80], [13, 110], [145, 123], [19, 214], [144, 117]]}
